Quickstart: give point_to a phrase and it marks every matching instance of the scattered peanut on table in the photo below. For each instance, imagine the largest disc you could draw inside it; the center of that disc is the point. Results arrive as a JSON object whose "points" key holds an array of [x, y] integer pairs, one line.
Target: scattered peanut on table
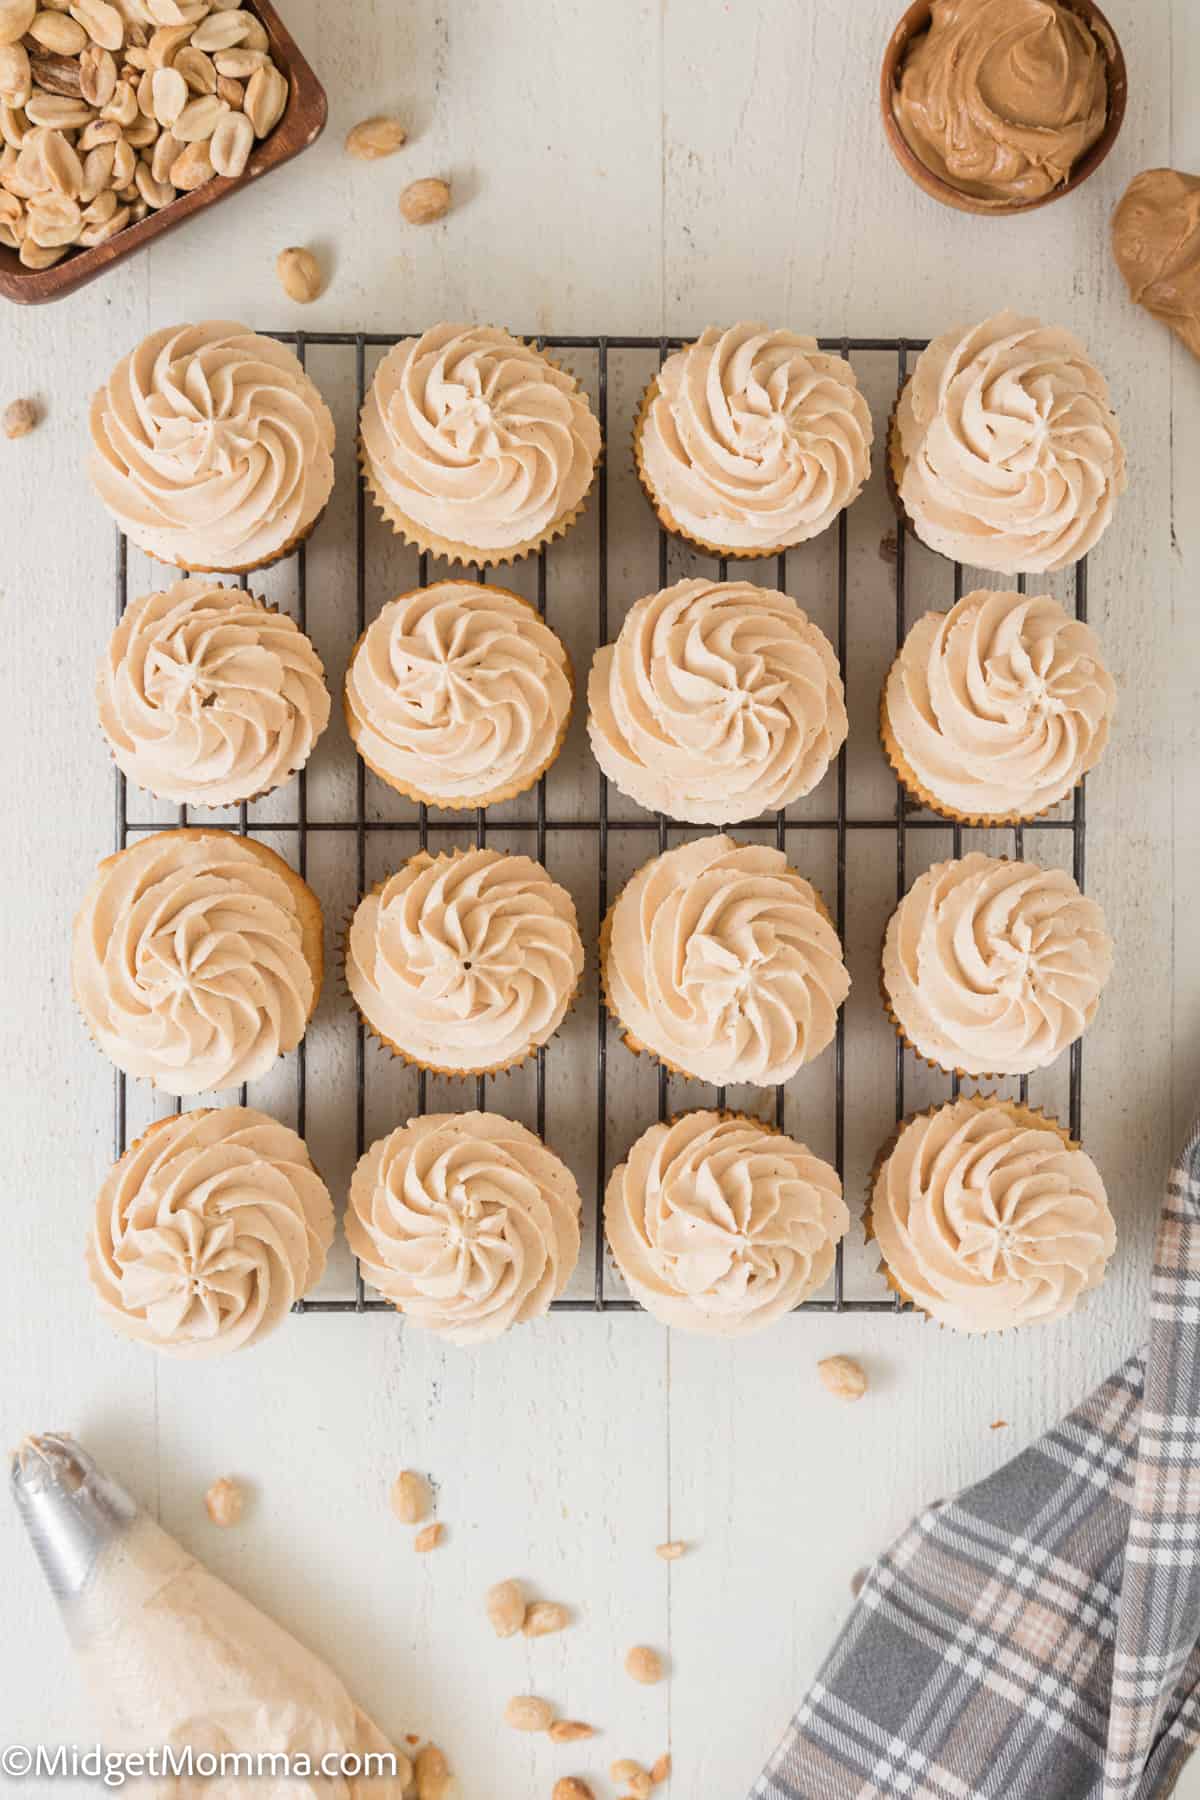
{"points": [[671, 1552], [572, 1788], [424, 201], [224, 1502], [20, 417], [299, 273], [525, 1712], [372, 138], [429, 1537], [432, 1773], [506, 1608], [411, 1500], [644, 1665], [844, 1378], [570, 1731], [544, 1617]]}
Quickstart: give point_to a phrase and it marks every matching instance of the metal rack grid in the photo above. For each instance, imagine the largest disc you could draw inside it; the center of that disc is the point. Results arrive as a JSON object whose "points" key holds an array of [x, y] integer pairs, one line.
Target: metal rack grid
{"points": [[905, 818]]}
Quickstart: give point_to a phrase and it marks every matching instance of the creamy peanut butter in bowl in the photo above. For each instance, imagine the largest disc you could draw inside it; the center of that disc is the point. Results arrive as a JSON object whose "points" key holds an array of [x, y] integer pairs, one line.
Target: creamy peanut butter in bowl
{"points": [[1000, 106]]}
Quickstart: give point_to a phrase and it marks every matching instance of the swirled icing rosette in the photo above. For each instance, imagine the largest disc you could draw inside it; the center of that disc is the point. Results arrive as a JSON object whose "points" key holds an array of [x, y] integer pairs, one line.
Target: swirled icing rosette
{"points": [[207, 1231], [1002, 98], [720, 960], [212, 448], [459, 695], [208, 696], [466, 1222], [994, 711], [1005, 449], [720, 1225], [718, 702], [475, 445], [197, 959], [465, 962], [993, 967], [751, 440], [988, 1216]]}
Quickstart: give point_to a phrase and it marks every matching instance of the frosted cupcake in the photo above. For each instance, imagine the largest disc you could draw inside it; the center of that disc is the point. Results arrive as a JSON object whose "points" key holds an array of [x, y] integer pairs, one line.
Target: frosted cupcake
{"points": [[475, 445], [211, 448], [1004, 449], [720, 1225], [993, 967], [718, 702], [208, 696], [459, 695], [464, 963], [197, 959], [994, 711], [207, 1231], [721, 961], [988, 1216], [752, 440], [466, 1222]]}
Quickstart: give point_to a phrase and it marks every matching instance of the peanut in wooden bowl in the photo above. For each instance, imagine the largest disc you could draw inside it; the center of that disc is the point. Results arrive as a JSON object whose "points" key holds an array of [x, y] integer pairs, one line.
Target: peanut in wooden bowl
{"points": [[916, 21], [301, 124]]}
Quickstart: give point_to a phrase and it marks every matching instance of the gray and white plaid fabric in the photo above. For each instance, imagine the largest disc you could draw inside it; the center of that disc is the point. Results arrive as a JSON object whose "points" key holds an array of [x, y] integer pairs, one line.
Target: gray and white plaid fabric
{"points": [[1038, 1637]]}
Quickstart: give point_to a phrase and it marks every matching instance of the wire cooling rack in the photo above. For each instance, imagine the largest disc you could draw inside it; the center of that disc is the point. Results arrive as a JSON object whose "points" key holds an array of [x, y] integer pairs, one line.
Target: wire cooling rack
{"points": [[358, 825]]}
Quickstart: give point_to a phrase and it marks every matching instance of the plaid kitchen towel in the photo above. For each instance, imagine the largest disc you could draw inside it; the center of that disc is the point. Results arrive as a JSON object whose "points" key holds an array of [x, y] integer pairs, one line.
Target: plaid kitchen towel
{"points": [[1036, 1638]]}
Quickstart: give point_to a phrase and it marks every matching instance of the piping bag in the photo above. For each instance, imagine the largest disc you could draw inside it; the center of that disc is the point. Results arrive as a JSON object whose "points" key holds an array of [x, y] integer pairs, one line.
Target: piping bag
{"points": [[175, 1657]]}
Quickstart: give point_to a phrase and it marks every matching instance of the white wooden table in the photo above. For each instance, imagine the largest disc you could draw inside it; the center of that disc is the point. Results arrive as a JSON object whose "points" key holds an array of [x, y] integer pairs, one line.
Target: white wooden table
{"points": [[632, 167]]}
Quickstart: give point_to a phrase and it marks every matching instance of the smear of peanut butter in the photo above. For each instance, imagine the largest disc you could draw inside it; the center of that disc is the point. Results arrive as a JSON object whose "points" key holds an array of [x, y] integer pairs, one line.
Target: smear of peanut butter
{"points": [[1001, 98], [1156, 241]]}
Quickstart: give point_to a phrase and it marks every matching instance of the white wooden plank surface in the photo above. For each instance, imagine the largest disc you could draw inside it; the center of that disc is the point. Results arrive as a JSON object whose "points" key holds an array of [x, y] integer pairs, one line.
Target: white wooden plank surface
{"points": [[635, 167]]}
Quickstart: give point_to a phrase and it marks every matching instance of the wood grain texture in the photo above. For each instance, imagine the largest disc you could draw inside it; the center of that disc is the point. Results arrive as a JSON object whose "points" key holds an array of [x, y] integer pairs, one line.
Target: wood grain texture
{"points": [[644, 166]]}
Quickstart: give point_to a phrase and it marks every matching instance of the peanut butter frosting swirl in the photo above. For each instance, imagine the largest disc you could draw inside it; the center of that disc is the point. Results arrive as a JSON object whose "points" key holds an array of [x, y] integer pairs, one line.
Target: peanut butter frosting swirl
{"points": [[987, 1217], [722, 1226], [207, 1231], [1156, 241], [719, 701], [999, 707], [465, 962], [1009, 453], [994, 967], [1001, 98], [196, 959], [458, 694], [211, 447], [754, 439], [208, 696], [722, 962], [477, 439], [466, 1222]]}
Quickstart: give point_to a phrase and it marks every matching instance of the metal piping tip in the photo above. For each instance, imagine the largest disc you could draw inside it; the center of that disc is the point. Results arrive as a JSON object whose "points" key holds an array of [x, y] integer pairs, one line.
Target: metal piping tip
{"points": [[71, 1509]]}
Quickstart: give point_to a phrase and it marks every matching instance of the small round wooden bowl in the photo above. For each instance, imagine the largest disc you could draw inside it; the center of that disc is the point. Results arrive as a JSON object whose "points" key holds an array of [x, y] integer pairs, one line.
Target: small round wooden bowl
{"points": [[915, 21]]}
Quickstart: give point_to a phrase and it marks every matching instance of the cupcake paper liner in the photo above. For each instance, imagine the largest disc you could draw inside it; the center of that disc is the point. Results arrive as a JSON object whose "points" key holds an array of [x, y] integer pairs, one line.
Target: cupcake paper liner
{"points": [[266, 562], [932, 1062], [406, 1056], [312, 933], [923, 797], [634, 1044], [196, 805], [737, 553], [429, 544], [496, 795], [1030, 1116]]}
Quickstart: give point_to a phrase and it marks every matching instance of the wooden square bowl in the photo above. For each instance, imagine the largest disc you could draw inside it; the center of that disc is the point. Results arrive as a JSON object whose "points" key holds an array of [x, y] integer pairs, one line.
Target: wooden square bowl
{"points": [[301, 125], [912, 25]]}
